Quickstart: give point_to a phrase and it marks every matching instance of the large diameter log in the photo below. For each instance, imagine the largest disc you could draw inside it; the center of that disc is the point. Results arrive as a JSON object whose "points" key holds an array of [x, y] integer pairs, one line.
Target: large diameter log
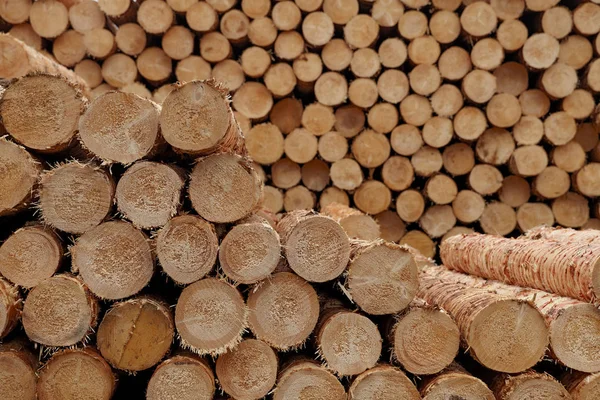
{"points": [[187, 248], [283, 311], [529, 384], [185, 376], [383, 382], [114, 259], [196, 119], [235, 188], [454, 382], [11, 305], [356, 224], [382, 277], [210, 317], [136, 334], [30, 255], [581, 386], [348, 343], [58, 103], [302, 376], [22, 172], [60, 311], [502, 259], [249, 371], [316, 247], [124, 136], [425, 339], [18, 365], [75, 197], [477, 310], [62, 378]]}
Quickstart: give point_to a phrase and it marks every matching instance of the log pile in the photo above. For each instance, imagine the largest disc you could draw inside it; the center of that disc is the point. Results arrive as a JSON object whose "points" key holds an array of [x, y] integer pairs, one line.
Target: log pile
{"points": [[453, 115]]}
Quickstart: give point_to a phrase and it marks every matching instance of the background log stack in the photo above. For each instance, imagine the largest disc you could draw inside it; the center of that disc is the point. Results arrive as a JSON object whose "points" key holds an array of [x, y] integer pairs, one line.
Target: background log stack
{"points": [[478, 115]]}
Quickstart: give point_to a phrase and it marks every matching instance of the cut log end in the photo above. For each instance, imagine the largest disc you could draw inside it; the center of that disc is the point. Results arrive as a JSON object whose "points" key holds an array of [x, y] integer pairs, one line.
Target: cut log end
{"points": [[349, 343], [187, 248], [62, 377], [210, 317], [249, 252], [317, 248], [582, 386], [248, 371], [306, 376], [382, 277], [136, 334], [184, 376], [19, 179], [356, 224], [497, 348], [122, 274], [455, 382], [528, 384], [17, 373], [59, 312], [10, 307], [425, 340], [283, 311], [253, 100], [218, 173]]}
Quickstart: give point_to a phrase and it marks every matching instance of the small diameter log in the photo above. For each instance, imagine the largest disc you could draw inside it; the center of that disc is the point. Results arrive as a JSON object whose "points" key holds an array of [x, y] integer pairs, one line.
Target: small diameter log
{"points": [[137, 88], [585, 19], [253, 100], [210, 317], [528, 161], [585, 180], [528, 384], [579, 105], [317, 29], [262, 32], [383, 382], [60, 311], [530, 215], [185, 376], [391, 225], [570, 157], [348, 343], [495, 146], [114, 259], [86, 15], [119, 70], [10, 307], [511, 78], [582, 285], [155, 16], [75, 197], [230, 74], [498, 219], [154, 65], [420, 242], [441, 189], [397, 173], [425, 339], [426, 161], [337, 55], [447, 100], [272, 199], [341, 12], [469, 123], [331, 89], [349, 120], [468, 206], [372, 197], [382, 277], [18, 181], [551, 183], [318, 119], [90, 71], [119, 11], [315, 175], [190, 69], [437, 220], [316, 247], [58, 104], [479, 86], [333, 195], [62, 378], [249, 371], [250, 252], [478, 19], [393, 86], [49, 18], [581, 386], [69, 48], [454, 63], [124, 136], [571, 210], [456, 382], [283, 311], [15, 12], [299, 198], [285, 173], [187, 248], [528, 131], [515, 191], [18, 365], [303, 376], [516, 346], [371, 149], [131, 39], [535, 103], [136, 334], [363, 93], [412, 24], [559, 128], [536, 59], [557, 21], [30, 255], [286, 15], [512, 35], [356, 224], [222, 172], [410, 205], [25, 33], [286, 114], [458, 159], [280, 79], [149, 194], [99, 43]]}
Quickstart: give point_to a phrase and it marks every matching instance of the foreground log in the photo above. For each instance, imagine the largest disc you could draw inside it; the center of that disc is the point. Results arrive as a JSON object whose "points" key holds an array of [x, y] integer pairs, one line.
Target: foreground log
{"points": [[114, 260], [300, 376], [10, 310], [356, 224], [425, 339], [18, 365], [75, 197], [316, 247], [136, 334], [186, 376], [22, 174], [501, 259], [383, 382], [58, 104], [60, 311], [581, 386], [210, 317], [521, 346], [454, 382], [528, 384], [62, 378], [30, 255]]}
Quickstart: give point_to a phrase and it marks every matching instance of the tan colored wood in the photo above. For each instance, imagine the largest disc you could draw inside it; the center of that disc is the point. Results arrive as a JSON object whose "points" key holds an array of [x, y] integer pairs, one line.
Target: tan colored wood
{"points": [[15, 12], [440, 189], [445, 26], [383, 117], [415, 109], [503, 110], [424, 50], [557, 21], [575, 51], [131, 39], [315, 175], [487, 54], [280, 79], [255, 61], [571, 210], [534, 102], [317, 29], [559, 81], [454, 63], [234, 26], [331, 89], [299, 198], [256, 8], [365, 63], [508, 10], [447, 100], [393, 86], [592, 78], [192, 68], [48, 18], [336, 55], [286, 114], [406, 139], [512, 35], [99, 43], [119, 11], [511, 78], [202, 17], [495, 146], [25, 33], [101, 89], [69, 48], [86, 15], [370, 149], [181, 6], [178, 42], [529, 130], [454, 381], [425, 79], [341, 12], [21, 176], [387, 13], [90, 71], [61, 298], [349, 120], [332, 147], [540, 51], [585, 19], [264, 143], [286, 15], [285, 173], [272, 199], [569, 157], [528, 161], [468, 206], [498, 219], [587, 136], [559, 128], [410, 205], [531, 215], [307, 376], [551, 183], [289, 45], [300, 146], [372, 197], [155, 16], [185, 375], [426, 161], [478, 19], [222, 6], [214, 47], [392, 52], [485, 179], [318, 119], [469, 123], [419, 241], [307, 68], [458, 159], [437, 220], [253, 100], [412, 24], [397, 173], [579, 105], [515, 191], [437, 132], [333, 195], [154, 65], [479, 86], [540, 5], [448, 5], [262, 32], [230, 74], [361, 31]]}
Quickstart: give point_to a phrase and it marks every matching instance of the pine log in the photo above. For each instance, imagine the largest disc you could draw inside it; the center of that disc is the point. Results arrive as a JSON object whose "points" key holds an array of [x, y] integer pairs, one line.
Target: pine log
{"points": [[534, 102], [391, 226], [512, 35], [202, 17], [119, 11], [569, 157], [154, 65], [285, 173], [155, 16], [90, 71], [383, 382], [363, 92], [528, 131], [18, 365], [25, 33], [286, 15], [315, 175], [410, 205], [527, 384], [372, 197], [412, 24], [530, 215], [454, 63], [307, 376], [346, 174], [185, 376], [11, 306], [119, 70], [333, 195], [336, 55], [136, 334], [454, 381], [299, 198], [458, 159], [447, 100], [69, 48], [22, 172], [272, 199], [581, 386], [397, 173], [280, 79], [349, 120], [469, 123], [253, 100], [49, 18], [190, 69], [420, 241]]}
